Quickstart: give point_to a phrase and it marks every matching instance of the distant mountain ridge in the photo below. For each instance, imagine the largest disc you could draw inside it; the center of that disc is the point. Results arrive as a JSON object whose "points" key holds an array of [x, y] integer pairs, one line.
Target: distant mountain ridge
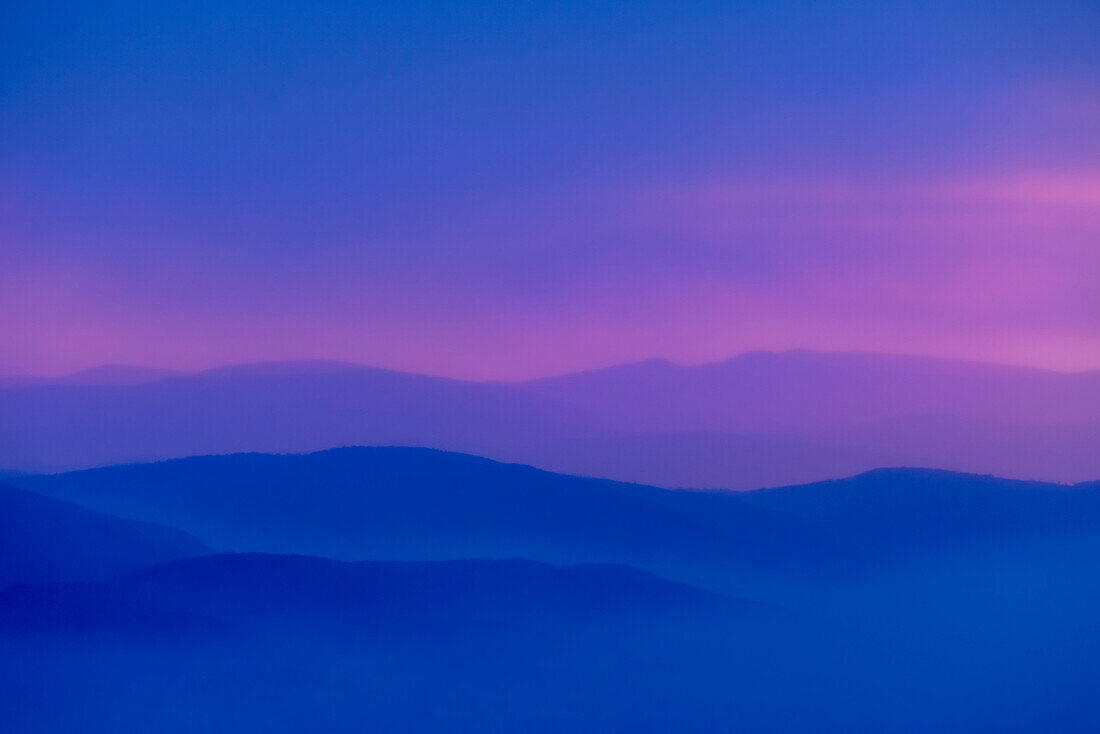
{"points": [[761, 419], [796, 389]]}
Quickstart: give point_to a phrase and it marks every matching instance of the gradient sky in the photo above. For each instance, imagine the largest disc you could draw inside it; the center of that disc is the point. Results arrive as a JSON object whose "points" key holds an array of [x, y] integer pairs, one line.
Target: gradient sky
{"points": [[515, 189]]}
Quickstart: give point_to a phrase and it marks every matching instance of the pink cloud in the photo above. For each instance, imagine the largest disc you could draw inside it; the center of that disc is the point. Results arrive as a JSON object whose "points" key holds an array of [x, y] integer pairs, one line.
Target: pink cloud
{"points": [[999, 267]]}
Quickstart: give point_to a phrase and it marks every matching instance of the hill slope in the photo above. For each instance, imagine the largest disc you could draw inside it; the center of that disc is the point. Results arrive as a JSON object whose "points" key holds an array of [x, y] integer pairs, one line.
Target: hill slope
{"points": [[252, 592], [420, 504], [44, 539], [411, 504]]}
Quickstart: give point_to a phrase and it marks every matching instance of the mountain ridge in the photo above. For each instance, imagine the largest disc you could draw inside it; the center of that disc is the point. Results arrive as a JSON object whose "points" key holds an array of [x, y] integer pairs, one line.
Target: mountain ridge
{"points": [[757, 420], [321, 364], [407, 503]]}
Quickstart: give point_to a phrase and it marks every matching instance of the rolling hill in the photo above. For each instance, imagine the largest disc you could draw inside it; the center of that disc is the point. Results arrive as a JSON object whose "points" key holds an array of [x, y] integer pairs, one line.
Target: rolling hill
{"points": [[44, 539], [251, 593], [379, 503]]}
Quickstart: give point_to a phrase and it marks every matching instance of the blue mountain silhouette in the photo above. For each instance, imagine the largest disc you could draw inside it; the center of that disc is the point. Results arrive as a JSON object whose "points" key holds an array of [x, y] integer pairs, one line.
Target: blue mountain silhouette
{"points": [[253, 592], [912, 600], [44, 539], [419, 504]]}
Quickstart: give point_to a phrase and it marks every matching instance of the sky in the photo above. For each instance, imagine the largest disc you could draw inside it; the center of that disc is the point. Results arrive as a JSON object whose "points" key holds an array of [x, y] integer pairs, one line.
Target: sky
{"points": [[508, 190]]}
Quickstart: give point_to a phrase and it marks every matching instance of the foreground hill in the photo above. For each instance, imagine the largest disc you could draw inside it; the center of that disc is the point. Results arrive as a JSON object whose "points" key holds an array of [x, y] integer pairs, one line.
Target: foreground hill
{"points": [[252, 593], [250, 642], [901, 600], [44, 539], [763, 419]]}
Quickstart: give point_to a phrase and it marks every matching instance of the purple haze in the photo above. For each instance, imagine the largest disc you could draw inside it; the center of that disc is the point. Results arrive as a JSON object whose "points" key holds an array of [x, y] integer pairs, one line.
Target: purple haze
{"points": [[762, 419]]}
